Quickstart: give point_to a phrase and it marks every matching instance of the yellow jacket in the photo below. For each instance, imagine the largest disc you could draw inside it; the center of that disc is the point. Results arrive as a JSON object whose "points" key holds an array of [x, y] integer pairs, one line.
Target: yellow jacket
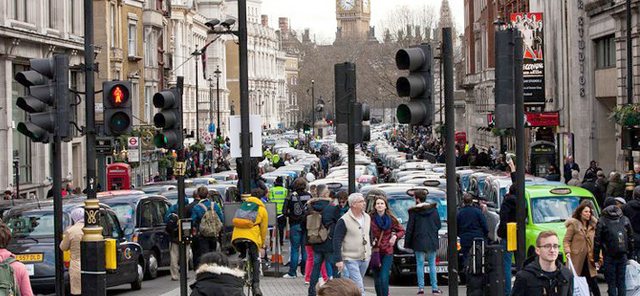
{"points": [[257, 233]]}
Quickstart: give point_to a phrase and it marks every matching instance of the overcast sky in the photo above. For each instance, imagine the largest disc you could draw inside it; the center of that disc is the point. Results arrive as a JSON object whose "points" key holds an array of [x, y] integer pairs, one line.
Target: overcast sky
{"points": [[320, 15]]}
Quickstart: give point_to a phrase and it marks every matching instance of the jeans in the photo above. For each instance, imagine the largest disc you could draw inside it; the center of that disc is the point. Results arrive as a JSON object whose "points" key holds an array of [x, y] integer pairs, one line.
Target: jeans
{"points": [[614, 274], [357, 269], [318, 259], [381, 277], [201, 246], [506, 259], [282, 224], [433, 276], [296, 237]]}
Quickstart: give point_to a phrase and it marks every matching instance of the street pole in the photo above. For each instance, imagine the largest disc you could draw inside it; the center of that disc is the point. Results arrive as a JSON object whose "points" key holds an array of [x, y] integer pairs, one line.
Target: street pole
{"points": [[629, 79], [211, 162], [218, 72], [197, 53], [452, 192], [92, 246], [16, 165], [245, 136], [520, 163], [313, 107], [182, 247]]}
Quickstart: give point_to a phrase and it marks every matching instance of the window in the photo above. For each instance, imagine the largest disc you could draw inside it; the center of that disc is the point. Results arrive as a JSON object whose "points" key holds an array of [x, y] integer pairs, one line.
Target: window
{"points": [[21, 143], [147, 214], [112, 24], [148, 107], [132, 38], [605, 52], [19, 11], [150, 52], [73, 84]]}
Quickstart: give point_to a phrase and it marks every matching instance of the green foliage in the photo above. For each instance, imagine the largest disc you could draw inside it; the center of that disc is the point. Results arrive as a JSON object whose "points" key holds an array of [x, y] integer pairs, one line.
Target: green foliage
{"points": [[197, 147], [499, 132], [165, 161], [626, 115]]}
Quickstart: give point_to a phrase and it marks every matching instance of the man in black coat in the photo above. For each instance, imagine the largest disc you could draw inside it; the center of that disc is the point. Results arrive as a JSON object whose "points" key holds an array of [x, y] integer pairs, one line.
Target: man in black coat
{"points": [[589, 183], [507, 215], [422, 237], [543, 274], [632, 211]]}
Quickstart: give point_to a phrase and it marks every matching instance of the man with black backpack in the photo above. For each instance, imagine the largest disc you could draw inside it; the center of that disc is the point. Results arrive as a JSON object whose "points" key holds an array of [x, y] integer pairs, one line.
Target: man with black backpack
{"points": [[206, 219], [294, 208], [319, 225], [614, 237]]}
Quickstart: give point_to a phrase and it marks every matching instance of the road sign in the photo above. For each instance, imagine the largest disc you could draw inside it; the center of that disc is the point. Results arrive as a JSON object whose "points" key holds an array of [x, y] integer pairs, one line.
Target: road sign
{"points": [[207, 139], [255, 128], [133, 142], [212, 128], [133, 154]]}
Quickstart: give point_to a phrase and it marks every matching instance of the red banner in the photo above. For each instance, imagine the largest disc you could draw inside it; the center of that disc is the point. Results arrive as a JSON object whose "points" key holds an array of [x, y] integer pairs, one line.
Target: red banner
{"points": [[535, 119]]}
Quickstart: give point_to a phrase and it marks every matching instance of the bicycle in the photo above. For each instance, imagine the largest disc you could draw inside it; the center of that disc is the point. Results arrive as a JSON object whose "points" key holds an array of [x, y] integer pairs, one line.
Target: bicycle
{"points": [[243, 247]]}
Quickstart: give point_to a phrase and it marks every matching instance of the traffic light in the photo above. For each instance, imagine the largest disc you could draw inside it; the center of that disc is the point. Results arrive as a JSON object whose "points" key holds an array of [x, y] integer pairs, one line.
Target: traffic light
{"points": [[418, 85], [48, 100], [117, 107], [360, 116], [345, 92], [169, 118]]}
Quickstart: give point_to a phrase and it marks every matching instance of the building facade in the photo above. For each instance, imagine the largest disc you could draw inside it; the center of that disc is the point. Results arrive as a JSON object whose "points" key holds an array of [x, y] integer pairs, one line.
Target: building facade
{"points": [[38, 29]]}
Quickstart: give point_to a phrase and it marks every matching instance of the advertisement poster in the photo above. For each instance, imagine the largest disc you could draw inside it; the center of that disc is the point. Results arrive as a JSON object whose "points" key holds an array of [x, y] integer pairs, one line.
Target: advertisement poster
{"points": [[530, 24]]}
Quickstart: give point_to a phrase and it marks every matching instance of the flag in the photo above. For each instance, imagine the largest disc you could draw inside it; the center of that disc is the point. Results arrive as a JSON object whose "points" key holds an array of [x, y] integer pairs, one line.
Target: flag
{"points": [[204, 61]]}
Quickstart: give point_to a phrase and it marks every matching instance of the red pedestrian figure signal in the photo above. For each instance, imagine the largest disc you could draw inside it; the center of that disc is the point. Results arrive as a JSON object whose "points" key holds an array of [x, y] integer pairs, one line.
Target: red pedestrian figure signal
{"points": [[117, 108], [118, 95]]}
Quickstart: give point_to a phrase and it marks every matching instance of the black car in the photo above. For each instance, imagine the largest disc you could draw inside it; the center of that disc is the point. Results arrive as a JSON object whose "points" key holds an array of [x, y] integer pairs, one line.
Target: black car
{"points": [[142, 218], [33, 245], [400, 200]]}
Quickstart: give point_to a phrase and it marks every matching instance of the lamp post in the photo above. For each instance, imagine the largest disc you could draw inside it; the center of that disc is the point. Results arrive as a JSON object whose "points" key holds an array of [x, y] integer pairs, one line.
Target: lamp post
{"points": [[210, 100], [197, 53], [217, 73], [313, 107]]}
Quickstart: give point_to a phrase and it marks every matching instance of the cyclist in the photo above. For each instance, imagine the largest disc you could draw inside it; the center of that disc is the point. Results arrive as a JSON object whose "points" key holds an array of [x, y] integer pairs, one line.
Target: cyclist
{"points": [[250, 234]]}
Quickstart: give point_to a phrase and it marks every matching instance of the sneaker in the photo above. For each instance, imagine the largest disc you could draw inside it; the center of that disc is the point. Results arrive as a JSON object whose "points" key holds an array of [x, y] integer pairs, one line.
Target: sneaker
{"points": [[288, 276], [306, 283], [257, 291], [436, 292], [420, 292]]}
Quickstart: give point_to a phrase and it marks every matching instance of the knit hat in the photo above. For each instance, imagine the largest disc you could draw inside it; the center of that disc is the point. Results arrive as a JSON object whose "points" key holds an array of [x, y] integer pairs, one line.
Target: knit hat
{"points": [[620, 200], [77, 215]]}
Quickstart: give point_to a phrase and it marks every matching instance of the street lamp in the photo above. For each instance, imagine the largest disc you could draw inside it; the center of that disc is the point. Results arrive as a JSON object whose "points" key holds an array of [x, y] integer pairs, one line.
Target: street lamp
{"points": [[197, 53], [313, 106], [211, 101], [217, 73]]}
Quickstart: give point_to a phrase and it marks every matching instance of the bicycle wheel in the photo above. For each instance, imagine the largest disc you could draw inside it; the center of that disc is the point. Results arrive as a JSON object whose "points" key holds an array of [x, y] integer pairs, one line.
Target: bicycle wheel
{"points": [[248, 269]]}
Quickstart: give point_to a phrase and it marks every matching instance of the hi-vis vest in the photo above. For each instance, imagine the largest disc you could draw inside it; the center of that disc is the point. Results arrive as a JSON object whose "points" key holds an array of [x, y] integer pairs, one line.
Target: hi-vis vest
{"points": [[278, 194]]}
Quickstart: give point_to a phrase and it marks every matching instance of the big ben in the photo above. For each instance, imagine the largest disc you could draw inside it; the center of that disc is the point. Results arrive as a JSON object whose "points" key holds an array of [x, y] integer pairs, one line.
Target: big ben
{"points": [[353, 18]]}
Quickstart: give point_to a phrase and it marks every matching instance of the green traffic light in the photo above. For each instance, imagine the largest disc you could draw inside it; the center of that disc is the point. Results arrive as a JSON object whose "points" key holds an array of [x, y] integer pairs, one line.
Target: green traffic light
{"points": [[160, 141]]}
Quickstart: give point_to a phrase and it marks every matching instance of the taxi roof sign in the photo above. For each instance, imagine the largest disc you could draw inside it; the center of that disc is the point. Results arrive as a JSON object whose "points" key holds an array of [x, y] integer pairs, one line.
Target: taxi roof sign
{"points": [[431, 183], [562, 191]]}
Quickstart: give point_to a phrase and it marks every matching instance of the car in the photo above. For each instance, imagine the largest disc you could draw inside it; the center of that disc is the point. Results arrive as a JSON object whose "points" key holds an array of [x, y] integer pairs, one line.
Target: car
{"points": [[549, 206], [33, 244], [142, 218], [400, 199], [157, 188]]}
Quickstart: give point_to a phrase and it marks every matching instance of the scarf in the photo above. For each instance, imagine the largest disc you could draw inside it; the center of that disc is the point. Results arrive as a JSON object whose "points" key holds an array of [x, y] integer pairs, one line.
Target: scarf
{"points": [[383, 222]]}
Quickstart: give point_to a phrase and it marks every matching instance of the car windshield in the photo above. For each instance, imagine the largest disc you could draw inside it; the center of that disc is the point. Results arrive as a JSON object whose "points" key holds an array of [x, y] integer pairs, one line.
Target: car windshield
{"points": [[125, 214], [30, 224], [553, 209]]}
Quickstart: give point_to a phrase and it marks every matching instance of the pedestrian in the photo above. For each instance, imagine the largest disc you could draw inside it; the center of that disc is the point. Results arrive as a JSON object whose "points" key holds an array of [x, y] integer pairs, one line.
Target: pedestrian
{"points": [[323, 251], [21, 282], [632, 211], [507, 215], [575, 179], [71, 242], [294, 210], [615, 187], [386, 230], [251, 222], [569, 165], [8, 194], [171, 220], [214, 277], [552, 173], [321, 192], [343, 203], [614, 237], [352, 244], [339, 287], [578, 243], [602, 182], [278, 194], [422, 237], [543, 274], [589, 183], [471, 225], [593, 168], [203, 243]]}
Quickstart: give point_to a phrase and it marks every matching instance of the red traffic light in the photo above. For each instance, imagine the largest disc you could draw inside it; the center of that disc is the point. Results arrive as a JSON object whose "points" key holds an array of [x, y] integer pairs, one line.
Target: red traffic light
{"points": [[119, 95]]}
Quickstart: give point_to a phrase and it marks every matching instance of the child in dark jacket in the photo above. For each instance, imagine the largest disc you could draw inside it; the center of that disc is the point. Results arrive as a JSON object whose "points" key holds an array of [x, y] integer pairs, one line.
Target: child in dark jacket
{"points": [[215, 278]]}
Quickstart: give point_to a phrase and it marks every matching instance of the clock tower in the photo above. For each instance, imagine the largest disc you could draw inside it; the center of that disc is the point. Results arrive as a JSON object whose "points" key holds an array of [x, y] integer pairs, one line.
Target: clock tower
{"points": [[353, 18]]}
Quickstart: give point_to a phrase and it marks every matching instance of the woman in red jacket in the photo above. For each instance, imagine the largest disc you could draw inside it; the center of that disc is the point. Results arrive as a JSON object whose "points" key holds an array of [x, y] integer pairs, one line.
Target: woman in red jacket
{"points": [[385, 231]]}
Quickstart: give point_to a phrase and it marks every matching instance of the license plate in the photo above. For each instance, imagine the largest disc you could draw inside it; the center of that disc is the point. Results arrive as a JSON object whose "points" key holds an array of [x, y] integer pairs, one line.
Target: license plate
{"points": [[32, 257], [30, 269], [439, 269]]}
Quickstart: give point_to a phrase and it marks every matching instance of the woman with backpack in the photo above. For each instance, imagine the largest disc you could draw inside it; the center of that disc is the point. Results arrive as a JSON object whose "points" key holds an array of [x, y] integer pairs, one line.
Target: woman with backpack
{"points": [[385, 231], [322, 192], [578, 243], [20, 282]]}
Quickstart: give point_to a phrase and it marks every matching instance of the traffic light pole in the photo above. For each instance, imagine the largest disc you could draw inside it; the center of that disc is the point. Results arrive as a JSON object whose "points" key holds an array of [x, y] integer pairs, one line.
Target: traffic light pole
{"points": [[57, 212], [452, 191], [182, 249], [245, 136], [92, 246], [520, 166]]}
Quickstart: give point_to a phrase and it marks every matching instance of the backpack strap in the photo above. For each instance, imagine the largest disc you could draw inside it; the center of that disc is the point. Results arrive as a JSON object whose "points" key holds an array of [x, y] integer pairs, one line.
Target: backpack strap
{"points": [[9, 260]]}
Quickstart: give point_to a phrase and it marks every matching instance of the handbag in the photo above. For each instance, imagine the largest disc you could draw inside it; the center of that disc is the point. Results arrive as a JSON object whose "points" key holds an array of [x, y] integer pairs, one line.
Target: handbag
{"points": [[580, 285], [376, 260]]}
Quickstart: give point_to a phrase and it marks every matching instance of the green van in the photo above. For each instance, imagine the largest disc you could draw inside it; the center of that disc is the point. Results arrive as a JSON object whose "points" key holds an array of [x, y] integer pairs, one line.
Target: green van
{"points": [[548, 207]]}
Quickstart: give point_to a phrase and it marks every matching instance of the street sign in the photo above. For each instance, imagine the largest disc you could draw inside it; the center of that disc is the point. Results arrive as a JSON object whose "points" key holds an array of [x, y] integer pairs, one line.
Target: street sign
{"points": [[133, 154], [207, 139], [255, 128], [212, 128]]}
